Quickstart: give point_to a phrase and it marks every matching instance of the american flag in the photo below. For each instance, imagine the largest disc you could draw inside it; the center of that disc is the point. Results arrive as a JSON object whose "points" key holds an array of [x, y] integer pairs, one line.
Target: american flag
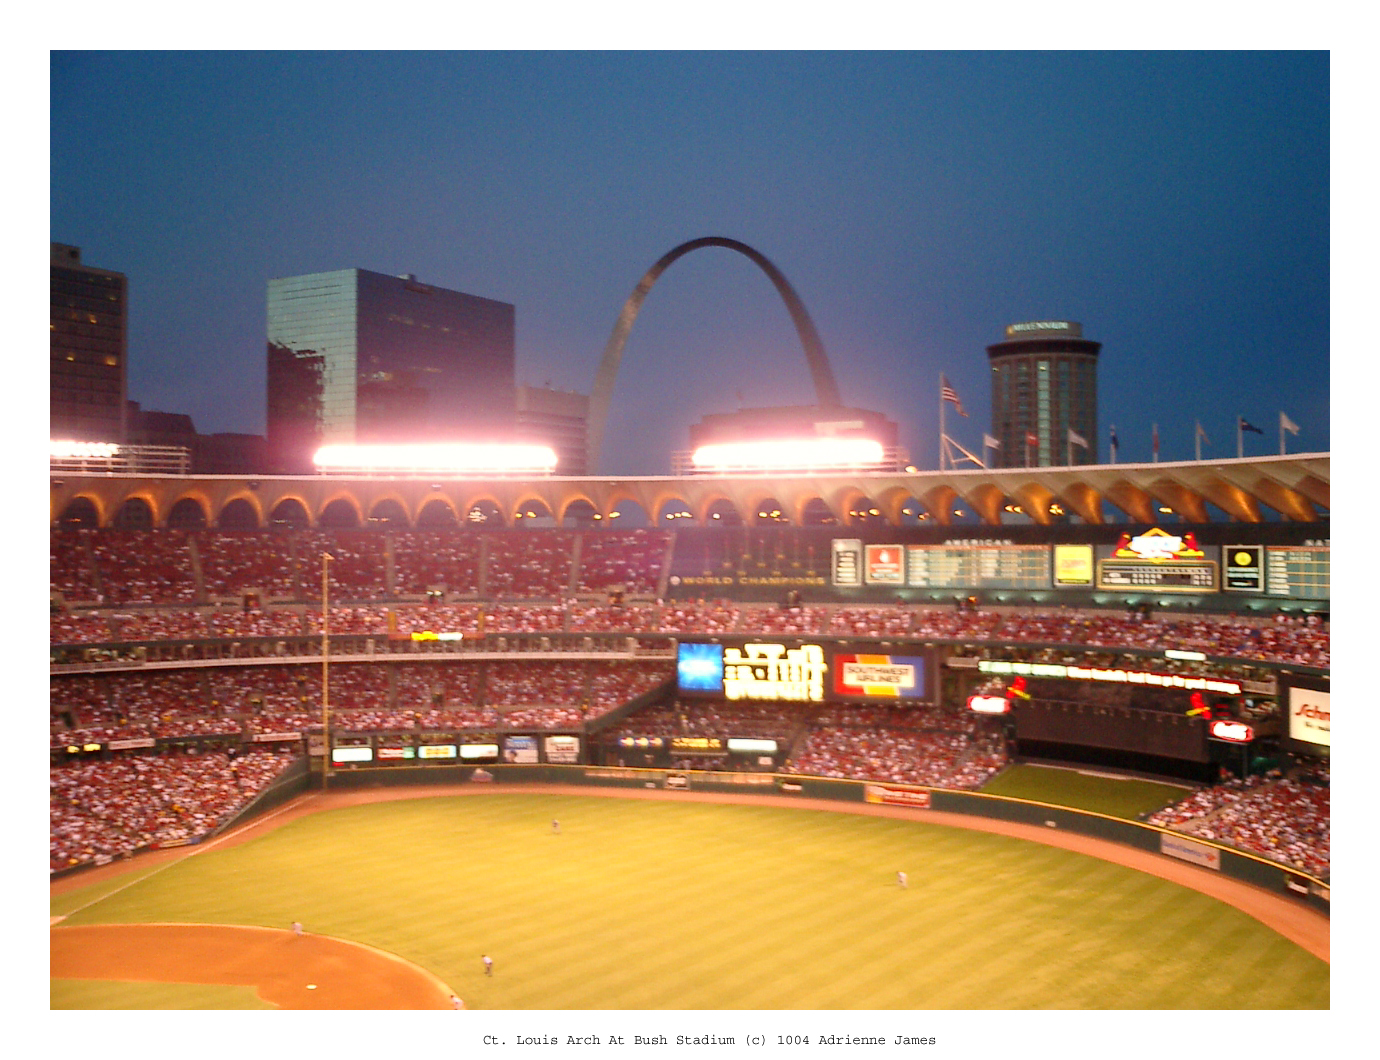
{"points": [[947, 393]]}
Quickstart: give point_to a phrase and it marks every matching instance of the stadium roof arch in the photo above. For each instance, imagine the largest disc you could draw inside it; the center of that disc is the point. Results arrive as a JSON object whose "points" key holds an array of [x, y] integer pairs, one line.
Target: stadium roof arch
{"points": [[1298, 487]]}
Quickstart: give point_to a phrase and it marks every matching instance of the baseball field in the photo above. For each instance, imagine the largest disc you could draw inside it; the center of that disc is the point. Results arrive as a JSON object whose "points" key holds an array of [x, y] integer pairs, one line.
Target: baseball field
{"points": [[671, 902]]}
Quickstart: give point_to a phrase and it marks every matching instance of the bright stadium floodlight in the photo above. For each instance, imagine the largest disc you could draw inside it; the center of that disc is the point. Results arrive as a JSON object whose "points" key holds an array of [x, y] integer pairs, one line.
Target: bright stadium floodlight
{"points": [[455, 458], [789, 454], [64, 449]]}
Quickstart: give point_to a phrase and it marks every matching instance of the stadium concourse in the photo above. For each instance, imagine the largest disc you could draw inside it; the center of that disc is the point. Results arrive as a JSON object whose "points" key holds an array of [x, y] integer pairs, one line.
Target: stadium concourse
{"points": [[186, 669]]}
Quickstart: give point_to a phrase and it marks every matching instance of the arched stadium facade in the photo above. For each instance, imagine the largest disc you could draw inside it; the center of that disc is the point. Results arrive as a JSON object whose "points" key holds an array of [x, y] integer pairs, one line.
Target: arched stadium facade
{"points": [[1288, 488]]}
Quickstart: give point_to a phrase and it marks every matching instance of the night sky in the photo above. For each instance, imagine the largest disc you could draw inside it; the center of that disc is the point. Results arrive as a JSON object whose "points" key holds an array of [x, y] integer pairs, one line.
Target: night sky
{"points": [[1175, 203]]}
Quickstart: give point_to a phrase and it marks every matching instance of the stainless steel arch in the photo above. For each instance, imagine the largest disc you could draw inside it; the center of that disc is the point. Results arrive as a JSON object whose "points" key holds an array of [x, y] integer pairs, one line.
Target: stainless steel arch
{"points": [[823, 375]]}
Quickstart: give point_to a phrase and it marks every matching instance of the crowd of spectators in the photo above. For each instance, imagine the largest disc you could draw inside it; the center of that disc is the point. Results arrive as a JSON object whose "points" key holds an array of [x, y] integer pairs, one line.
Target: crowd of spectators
{"points": [[239, 622], [357, 569], [1237, 637], [74, 627], [528, 684], [607, 618], [630, 560], [699, 616], [110, 808], [71, 569], [427, 560], [899, 756], [929, 746], [1285, 819], [234, 562], [533, 564], [613, 684], [144, 567]]}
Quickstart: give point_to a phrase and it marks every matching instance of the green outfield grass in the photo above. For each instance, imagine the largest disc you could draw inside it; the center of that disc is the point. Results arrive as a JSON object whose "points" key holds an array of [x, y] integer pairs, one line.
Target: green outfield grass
{"points": [[664, 905], [1115, 796], [100, 993]]}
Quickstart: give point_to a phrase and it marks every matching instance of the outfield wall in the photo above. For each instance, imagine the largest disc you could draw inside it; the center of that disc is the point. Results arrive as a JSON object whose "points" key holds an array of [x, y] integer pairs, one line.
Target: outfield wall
{"points": [[1210, 856]]}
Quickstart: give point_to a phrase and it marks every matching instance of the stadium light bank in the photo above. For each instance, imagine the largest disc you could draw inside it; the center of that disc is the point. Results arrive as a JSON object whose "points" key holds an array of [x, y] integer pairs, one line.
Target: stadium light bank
{"points": [[458, 460], [790, 454]]}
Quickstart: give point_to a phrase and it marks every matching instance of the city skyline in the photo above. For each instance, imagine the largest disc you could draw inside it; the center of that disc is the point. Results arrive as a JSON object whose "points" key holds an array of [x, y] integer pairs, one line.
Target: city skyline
{"points": [[1175, 204]]}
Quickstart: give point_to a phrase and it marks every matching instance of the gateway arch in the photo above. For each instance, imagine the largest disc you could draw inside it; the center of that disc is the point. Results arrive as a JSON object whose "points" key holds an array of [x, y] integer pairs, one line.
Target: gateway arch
{"points": [[826, 389]]}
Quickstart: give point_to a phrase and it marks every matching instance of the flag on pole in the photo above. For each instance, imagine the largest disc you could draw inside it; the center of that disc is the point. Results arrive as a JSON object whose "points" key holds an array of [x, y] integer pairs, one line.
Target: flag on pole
{"points": [[1286, 424], [947, 393], [1077, 439], [1155, 441], [1201, 435], [1031, 438], [989, 442], [1113, 434], [1249, 426]]}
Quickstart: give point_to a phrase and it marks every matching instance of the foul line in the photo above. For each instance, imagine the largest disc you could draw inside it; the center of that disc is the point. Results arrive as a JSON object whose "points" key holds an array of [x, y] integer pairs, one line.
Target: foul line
{"points": [[198, 849]]}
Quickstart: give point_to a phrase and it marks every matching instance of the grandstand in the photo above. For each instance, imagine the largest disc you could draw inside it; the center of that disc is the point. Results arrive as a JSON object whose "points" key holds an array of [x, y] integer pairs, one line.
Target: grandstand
{"points": [[186, 651]]}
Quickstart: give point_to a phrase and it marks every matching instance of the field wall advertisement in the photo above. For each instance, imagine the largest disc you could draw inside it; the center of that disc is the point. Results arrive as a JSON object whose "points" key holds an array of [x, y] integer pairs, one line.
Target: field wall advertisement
{"points": [[893, 795]]}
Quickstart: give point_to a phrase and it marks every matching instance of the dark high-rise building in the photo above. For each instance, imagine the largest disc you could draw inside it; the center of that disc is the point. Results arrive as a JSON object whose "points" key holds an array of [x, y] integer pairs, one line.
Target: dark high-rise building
{"points": [[87, 342], [357, 357], [558, 418], [1044, 395]]}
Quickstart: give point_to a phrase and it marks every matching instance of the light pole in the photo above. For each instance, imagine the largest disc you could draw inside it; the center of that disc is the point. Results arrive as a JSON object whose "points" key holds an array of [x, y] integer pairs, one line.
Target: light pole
{"points": [[326, 558]]}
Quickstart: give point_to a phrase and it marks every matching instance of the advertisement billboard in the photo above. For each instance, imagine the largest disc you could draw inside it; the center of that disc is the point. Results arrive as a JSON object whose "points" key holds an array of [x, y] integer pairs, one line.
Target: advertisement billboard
{"points": [[1073, 565], [1310, 718], [884, 565], [520, 749], [562, 748], [894, 795], [1243, 568], [436, 750], [879, 676]]}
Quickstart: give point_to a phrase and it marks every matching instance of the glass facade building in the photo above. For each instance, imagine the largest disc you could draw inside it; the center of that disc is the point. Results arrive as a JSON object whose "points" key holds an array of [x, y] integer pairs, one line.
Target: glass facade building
{"points": [[87, 349], [1044, 385], [357, 357]]}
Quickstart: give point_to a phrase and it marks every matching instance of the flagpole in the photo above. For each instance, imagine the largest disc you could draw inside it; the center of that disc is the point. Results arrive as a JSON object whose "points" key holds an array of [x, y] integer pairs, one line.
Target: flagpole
{"points": [[326, 558], [1281, 432], [1238, 435], [941, 421], [1197, 440]]}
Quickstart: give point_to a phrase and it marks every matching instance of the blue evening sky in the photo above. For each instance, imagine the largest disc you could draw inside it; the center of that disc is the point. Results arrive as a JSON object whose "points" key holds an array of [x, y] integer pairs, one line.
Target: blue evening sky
{"points": [[1176, 203]]}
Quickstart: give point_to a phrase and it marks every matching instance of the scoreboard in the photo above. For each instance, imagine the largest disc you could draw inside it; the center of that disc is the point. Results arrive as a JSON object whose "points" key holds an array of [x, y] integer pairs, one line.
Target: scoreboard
{"points": [[951, 566], [978, 566], [1153, 561], [1300, 573], [1173, 576]]}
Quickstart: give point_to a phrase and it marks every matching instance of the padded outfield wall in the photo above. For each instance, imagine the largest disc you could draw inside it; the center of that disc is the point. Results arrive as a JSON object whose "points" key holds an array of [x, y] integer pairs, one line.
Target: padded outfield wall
{"points": [[1207, 855]]}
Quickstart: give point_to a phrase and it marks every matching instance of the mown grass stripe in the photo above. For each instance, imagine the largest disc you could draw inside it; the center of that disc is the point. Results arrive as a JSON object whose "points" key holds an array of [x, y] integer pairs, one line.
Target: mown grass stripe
{"points": [[688, 905]]}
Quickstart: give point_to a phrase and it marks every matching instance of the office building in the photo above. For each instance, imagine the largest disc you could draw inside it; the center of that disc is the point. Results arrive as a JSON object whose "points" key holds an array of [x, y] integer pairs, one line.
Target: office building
{"points": [[357, 357], [558, 418], [1044, 395], [88, 341]]}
